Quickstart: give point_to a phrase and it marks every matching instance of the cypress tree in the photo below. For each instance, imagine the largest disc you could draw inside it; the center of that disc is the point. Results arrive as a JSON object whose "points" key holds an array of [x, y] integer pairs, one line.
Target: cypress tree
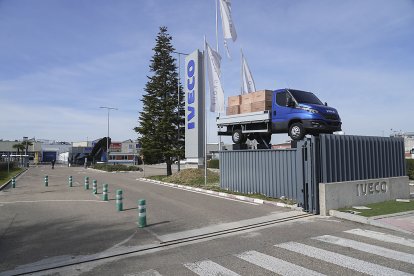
{"points": [[162, 115]]}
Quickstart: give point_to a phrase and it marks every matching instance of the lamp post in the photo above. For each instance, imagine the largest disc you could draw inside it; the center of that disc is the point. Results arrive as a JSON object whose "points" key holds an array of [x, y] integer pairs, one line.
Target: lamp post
{"points": [[178, 99], [107, 138], [25, 150]]}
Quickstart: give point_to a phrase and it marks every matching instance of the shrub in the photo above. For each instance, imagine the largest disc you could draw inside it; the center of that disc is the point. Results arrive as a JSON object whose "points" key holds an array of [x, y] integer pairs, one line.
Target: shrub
{"points": [[3, 166], [410, 168], [214, 164], [117, 167], [193, 177]]}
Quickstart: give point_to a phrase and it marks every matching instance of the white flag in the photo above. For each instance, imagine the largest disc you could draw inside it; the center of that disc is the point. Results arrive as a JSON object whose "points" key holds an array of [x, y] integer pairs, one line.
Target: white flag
{"points": [[227, 49], [247, 78], [229, 31], [216, 90]]}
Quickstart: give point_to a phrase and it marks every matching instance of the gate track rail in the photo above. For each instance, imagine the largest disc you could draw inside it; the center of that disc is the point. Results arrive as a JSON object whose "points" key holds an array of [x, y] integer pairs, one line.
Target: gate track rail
{"points": [[29, 270]]}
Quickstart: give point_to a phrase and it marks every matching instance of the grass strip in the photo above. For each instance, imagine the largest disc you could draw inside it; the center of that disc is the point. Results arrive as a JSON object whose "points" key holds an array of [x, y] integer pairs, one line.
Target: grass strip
{"points": [[195, 178], [6, 177], [383, 208]]}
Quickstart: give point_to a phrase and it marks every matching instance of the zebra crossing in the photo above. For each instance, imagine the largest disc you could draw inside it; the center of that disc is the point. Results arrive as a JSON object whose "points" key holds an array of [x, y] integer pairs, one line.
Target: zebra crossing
{"points": [[327, 257]]}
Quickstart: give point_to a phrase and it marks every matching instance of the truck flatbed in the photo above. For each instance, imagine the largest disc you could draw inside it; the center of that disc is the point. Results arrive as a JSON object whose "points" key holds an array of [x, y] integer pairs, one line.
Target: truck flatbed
{"points": [[244, 118]]}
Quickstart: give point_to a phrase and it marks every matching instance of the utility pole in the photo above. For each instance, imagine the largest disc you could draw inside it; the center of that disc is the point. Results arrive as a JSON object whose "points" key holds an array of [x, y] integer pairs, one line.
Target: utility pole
{"points": [[25, 151], [107, 138]]}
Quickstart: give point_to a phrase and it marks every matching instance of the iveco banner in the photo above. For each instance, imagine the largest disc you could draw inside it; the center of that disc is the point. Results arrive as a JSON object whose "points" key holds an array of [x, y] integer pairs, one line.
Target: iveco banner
{"points": [[194, 107]]}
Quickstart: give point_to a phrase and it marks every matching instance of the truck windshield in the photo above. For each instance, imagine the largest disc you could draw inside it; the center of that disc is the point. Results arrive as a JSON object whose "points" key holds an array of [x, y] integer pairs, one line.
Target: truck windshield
{"points": [[305, 97]]}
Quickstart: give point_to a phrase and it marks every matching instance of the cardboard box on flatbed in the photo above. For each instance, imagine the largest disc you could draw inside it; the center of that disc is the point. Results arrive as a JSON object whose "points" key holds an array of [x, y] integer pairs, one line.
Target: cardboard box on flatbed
{"points": [[247, 98], [261, 95], [234, 100], [233, 110], [261, 106], [245, 108]]}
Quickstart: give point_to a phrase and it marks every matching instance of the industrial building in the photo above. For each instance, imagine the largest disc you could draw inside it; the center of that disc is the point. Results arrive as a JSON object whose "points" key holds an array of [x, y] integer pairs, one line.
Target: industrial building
{"points": [[37, 151]]}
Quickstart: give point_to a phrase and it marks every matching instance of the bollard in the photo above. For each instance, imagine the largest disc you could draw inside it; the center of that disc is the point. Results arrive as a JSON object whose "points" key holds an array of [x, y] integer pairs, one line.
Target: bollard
{"points": [[70, 181], [105, 192], [94, 187], [86, 183], [119, 200], [46, 181], [142, 213], [14, 182]]}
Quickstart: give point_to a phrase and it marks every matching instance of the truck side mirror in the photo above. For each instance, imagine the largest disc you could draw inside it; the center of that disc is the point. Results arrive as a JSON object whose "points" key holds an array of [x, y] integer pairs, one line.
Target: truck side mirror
{"points": [[326, 104]]}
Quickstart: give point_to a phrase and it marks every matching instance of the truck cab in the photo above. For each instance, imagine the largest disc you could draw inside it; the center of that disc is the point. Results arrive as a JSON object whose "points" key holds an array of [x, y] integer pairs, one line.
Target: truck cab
{"points": [[299, 113]]}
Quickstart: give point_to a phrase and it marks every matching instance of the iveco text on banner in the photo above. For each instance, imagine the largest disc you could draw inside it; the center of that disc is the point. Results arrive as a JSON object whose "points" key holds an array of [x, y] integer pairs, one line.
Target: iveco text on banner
{"points": [[194, 106]]}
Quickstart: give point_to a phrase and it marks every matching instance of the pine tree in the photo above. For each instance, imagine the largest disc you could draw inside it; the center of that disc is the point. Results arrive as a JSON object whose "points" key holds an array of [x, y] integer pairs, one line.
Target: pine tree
{"points": [[161, 115]]}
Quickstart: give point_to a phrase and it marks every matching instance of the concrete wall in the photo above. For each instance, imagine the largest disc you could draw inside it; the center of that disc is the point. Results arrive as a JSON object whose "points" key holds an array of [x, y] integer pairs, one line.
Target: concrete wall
{"points": [[361, 192]]}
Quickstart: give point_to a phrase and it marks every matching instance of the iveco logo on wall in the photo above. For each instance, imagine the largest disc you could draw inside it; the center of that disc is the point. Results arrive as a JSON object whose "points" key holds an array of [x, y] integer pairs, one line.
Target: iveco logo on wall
{"points": [[194, 106]]}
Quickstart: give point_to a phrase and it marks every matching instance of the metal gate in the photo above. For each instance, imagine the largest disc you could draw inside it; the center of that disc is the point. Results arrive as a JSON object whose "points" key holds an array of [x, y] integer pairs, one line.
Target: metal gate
{"points": [[306, 153], [288, 173]]}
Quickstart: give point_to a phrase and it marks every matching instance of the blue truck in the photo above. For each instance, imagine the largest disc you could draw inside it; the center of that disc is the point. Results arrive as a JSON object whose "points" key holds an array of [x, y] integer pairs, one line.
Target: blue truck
{"points": [[293, 111]]}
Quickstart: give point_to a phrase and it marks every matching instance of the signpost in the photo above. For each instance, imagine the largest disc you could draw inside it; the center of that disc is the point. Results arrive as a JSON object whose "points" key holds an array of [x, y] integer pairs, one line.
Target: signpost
{"points": [[194, 108]]}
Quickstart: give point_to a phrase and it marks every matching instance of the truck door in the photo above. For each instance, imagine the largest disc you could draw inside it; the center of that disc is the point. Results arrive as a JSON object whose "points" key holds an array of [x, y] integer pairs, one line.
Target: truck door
{"points": [[280, 112]]}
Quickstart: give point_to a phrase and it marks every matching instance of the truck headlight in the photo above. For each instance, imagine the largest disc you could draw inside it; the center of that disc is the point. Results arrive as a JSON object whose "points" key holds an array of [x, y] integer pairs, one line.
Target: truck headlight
{"points": [[314, 111]]}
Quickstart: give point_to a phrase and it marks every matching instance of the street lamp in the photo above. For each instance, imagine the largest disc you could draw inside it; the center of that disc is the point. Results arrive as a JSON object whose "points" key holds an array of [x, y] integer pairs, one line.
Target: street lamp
{"points": [[25, 151], [178, 98], [107, 139]]}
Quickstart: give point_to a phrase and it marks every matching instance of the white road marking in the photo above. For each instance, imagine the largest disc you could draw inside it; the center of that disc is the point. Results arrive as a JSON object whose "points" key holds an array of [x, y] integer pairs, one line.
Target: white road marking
{"points": [[381, 237], [275, 265], [209, 268], [51, 200], [150, 272], [341, 260], [368, 248]]}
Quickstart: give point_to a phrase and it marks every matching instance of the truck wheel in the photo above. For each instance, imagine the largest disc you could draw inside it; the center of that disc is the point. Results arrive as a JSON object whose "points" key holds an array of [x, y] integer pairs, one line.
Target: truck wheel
{"points": [[238, 137], [296, 131]]}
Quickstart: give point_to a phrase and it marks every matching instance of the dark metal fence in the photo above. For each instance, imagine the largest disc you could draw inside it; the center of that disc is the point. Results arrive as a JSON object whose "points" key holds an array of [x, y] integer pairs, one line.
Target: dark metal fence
{"points": [[296, 173], [347, 158], [273, 173]]}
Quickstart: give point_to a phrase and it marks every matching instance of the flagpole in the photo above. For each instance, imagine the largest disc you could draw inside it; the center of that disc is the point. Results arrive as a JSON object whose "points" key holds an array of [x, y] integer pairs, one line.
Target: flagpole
{"points": [[205, 113], [217, 48], [217, 43], [241, 72]]}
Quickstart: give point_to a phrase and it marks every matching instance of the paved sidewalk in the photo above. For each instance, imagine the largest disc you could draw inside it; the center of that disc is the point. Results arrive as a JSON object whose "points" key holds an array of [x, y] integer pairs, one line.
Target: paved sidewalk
{"points": [[402, 222]]}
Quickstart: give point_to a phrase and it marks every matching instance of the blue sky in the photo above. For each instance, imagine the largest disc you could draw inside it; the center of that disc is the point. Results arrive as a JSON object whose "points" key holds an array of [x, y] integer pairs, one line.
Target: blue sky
{"points": [[62, 59]]}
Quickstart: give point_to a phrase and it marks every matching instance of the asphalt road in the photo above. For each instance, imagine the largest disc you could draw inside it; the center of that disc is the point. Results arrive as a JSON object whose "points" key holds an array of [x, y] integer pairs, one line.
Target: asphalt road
{"points": [[187, 234], [39, 222]]}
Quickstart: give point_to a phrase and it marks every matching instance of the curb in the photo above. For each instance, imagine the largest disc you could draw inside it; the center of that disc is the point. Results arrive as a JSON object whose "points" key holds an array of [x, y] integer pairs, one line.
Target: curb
{"points": [[8, 182], [370, 220], [96, 170], [223, 194]]}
